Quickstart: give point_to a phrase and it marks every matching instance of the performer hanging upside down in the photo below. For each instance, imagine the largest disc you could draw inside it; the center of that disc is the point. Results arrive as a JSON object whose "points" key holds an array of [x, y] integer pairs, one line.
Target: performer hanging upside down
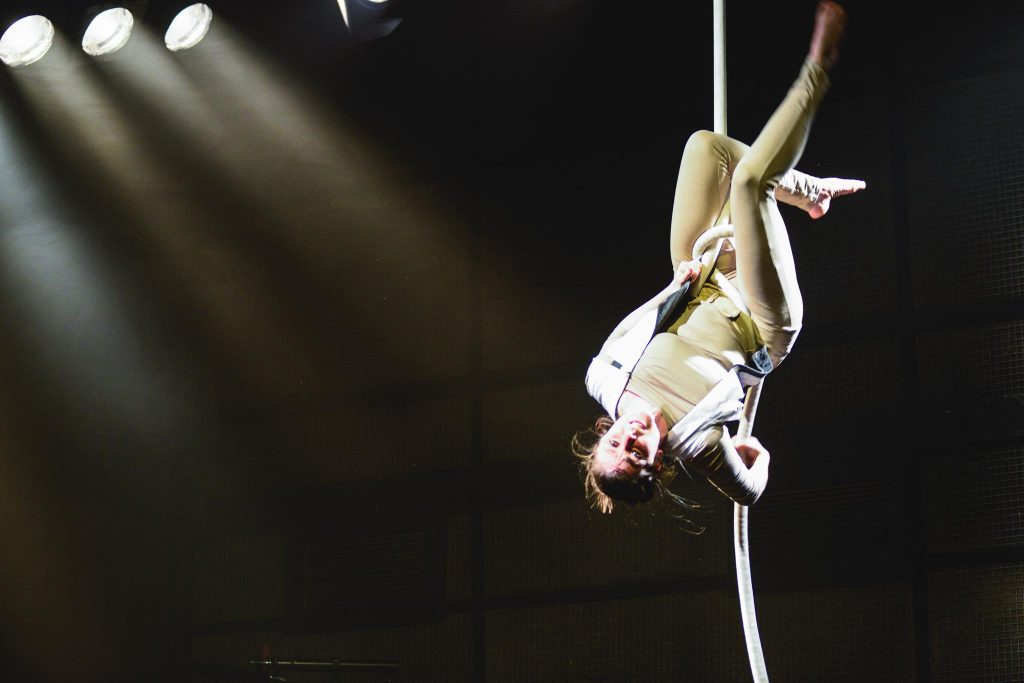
{"points": [[672, 374]]}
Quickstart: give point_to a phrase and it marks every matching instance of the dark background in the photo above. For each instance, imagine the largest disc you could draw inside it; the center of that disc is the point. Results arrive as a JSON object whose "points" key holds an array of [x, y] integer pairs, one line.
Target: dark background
{"points": [[293, 331]]}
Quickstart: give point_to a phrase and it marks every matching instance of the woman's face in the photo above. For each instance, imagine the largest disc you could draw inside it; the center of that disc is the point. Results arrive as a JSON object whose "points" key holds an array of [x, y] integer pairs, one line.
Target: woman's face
{"points": [[629, 446]]}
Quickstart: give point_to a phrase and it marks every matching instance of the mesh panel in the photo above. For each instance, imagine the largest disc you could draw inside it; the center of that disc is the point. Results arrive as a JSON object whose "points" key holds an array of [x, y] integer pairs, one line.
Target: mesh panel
{"points": [[239, 578], [975, 500], [984, 38], [459, 570], [965, 154], [550, 547], [848, 634], [976, 622], [823, 383], [846, 261], [425, 652], [358, 571], [687, 638], [958, 367], [824, 528]]}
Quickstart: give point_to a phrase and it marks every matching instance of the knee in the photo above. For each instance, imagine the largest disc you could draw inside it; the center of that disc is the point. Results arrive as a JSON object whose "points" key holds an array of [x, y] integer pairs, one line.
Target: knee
{"points": [[749, 181], [780, 340], [705, 143]]}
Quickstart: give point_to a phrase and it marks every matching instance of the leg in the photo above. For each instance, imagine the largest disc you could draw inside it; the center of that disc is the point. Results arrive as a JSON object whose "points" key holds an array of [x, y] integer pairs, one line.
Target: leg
{"points": [[705, 174], [766, 273]]}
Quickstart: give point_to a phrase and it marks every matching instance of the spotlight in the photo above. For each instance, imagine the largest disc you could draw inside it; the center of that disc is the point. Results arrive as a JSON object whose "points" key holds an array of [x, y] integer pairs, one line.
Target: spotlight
{"points": [[370, 19], [108, 32], [188, 27], [26, 40]]}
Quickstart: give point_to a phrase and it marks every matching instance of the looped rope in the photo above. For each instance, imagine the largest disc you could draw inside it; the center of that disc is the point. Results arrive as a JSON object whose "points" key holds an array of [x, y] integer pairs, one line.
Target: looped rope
{"points": [[709, 237]]}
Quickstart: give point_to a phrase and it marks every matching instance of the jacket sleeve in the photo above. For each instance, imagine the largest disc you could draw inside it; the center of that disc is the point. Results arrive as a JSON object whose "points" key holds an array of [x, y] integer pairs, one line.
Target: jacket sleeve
{"points": [[715, 458], [631, 320]]}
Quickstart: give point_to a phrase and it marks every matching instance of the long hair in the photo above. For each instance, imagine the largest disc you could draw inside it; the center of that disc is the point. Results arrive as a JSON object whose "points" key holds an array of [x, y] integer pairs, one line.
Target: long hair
{"points": [[605, 491]]}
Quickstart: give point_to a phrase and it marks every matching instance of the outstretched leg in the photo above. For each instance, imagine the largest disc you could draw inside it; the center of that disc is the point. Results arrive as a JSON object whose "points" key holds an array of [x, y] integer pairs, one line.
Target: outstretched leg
{"points": [[766, 273]]}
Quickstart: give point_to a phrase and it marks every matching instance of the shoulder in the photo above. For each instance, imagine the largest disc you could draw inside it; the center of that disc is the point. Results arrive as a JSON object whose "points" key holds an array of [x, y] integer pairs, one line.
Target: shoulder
{"points": [[605, 382]]}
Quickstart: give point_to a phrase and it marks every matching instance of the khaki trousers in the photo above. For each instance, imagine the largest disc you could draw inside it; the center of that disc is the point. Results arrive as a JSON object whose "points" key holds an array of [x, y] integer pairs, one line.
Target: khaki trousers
{"points": [[716, 169]]}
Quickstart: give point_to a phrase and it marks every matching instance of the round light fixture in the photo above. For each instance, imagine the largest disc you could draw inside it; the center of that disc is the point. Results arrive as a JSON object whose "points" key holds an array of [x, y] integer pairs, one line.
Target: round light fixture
{"points": [[188, 27], [108, 32], [26, 40]]}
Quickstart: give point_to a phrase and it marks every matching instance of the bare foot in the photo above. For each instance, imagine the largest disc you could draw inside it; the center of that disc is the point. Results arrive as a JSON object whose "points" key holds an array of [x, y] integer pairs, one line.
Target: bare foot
{"points": [[829, 25], [829, 188]]}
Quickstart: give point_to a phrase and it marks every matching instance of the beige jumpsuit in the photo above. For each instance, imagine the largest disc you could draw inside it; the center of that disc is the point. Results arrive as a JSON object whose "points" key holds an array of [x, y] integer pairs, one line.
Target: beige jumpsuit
{"points": [[678, 367]]}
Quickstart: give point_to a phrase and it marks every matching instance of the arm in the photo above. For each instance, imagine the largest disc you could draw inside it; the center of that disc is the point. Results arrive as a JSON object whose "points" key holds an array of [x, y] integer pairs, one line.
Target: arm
{"points": [[739, 469], [687, 271]]}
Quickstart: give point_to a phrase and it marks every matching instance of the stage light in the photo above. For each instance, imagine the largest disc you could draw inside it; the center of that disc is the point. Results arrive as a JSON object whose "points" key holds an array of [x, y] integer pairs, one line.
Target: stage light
{"points": [[370, 19], [188, 27], [26, 40], [108, 32]]}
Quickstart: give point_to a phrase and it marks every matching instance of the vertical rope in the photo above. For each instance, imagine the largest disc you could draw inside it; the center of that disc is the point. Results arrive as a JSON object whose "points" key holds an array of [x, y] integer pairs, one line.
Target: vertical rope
{"points": [[721, 111], [741, 546], [744, 583]]}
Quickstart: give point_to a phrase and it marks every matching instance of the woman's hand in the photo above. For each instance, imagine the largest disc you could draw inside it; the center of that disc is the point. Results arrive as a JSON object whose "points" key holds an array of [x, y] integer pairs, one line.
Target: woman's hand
{"points": [[687, 271], [750, 449]]}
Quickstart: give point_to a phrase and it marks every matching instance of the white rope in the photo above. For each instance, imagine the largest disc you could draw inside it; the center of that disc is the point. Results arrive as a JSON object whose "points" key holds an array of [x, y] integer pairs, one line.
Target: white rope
{"points": [[704, 243], [710, 241], [744, 583], [721, 98], [741, 546]]}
